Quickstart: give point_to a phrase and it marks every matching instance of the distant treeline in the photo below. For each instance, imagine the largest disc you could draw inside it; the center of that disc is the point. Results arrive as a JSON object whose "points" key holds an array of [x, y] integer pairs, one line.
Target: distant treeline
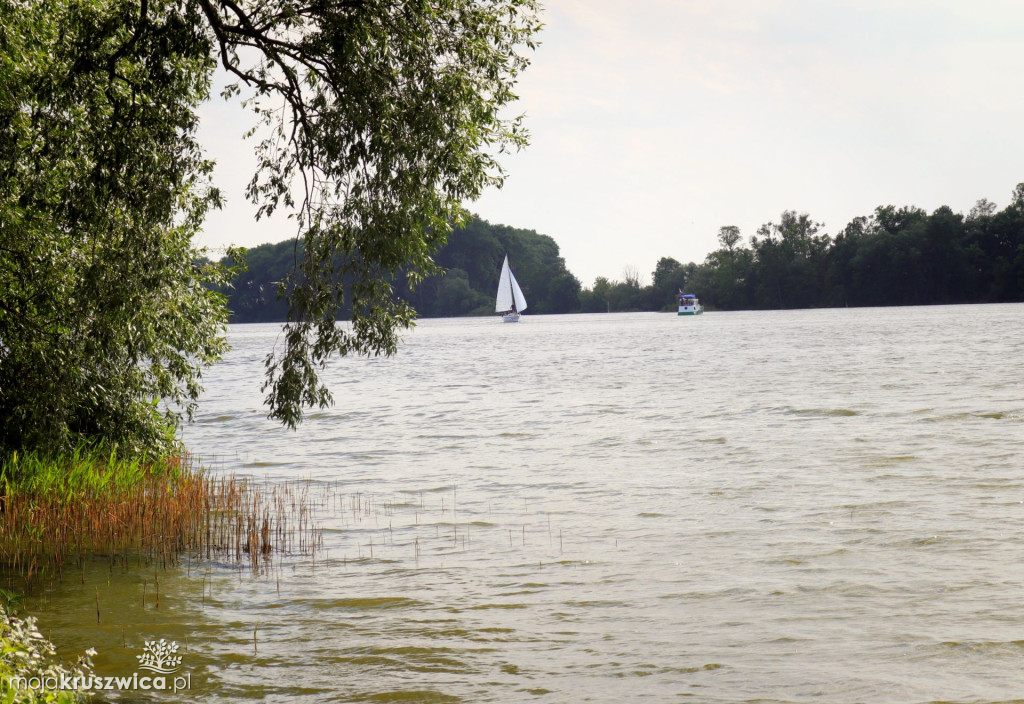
{"points": [[896, 256], [472, 259]]}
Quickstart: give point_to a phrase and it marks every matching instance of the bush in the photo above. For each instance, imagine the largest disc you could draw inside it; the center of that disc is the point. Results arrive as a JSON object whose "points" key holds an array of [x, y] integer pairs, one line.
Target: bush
{"points": [[26, 654]]}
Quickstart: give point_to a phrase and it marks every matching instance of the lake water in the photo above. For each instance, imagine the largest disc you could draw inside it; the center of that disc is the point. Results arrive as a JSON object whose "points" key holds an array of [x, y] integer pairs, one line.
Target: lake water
{"points": [[800, 506]]}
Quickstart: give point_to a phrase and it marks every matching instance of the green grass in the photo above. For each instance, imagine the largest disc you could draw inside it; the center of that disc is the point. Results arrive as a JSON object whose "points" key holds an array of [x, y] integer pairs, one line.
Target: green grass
{"points": [[88, 471]]}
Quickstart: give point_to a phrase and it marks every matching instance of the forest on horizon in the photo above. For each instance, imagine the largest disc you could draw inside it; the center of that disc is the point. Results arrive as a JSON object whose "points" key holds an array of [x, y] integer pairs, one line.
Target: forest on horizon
{"points": [[895, 256]]}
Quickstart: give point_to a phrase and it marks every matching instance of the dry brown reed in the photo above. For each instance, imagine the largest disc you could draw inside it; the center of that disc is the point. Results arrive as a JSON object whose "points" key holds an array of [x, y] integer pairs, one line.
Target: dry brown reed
{"points": [[159, 520]]}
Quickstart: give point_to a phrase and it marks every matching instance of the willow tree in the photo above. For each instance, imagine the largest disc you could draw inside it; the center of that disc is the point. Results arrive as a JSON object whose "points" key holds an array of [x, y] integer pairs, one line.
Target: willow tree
{"points": [[380, 118], [104, 310], [389, 115]]}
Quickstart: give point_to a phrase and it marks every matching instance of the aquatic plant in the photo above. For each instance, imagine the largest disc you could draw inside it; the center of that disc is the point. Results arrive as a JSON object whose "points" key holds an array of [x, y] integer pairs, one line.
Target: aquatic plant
{"points": [[87, 504], [27, 657]]}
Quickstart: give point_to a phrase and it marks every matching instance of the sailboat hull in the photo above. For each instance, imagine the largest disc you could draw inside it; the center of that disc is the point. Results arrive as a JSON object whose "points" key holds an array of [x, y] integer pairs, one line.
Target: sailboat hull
{"points": [[510, 318]]}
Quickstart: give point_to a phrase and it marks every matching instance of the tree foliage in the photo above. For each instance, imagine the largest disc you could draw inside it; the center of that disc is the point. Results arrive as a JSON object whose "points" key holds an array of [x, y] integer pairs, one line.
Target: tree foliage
{"points": [[381, 117], [103, 308], [392, 118]]}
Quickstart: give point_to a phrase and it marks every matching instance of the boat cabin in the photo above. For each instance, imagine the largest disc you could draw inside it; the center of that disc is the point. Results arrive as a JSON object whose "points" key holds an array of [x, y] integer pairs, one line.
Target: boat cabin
{"points": [[689, 305]]}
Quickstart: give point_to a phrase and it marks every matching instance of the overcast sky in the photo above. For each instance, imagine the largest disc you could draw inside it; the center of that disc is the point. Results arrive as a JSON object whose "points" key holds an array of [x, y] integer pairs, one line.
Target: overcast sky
{"points": [[655, 122]]}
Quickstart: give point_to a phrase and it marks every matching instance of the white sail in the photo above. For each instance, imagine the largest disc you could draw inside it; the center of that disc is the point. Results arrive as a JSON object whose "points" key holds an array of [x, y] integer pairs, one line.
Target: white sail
{"points": [[517, 293], [504, 301], [510, 296]]}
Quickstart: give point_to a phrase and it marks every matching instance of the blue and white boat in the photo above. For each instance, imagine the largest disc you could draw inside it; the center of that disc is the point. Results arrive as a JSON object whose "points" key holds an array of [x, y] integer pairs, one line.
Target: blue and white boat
{"points": [[689, 305]]}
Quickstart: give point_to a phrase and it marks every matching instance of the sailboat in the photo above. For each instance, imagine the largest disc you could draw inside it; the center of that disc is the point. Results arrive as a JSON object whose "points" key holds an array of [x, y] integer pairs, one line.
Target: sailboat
{"points": [[511, 301]]}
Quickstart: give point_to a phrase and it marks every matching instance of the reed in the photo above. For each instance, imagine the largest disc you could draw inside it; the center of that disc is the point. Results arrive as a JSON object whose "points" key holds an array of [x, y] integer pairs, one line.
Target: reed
{"points": [[91, 504]]}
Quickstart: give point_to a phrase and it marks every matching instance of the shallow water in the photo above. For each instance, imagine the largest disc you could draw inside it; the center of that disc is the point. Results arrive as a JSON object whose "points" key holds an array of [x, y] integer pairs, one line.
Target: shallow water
{"points": [[802, 506]]}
